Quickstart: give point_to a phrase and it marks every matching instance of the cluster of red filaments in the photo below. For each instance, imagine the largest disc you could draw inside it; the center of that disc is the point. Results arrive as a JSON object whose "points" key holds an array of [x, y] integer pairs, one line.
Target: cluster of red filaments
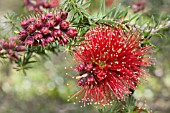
{"points": [[111, 62], [39, 5], [11, 47], [47, 28]]}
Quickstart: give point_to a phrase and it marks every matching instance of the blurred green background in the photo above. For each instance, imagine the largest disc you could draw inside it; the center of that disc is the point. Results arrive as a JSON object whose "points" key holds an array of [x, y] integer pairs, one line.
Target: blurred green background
{"points": [[44, 89]]}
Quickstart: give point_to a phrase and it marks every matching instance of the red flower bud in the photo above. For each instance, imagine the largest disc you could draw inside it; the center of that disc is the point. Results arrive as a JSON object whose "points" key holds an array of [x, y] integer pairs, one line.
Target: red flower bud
{"points": [[46, 5], [25, 24], [10, 52], [38, 36], [89, 67], [71, 33], [13, 38], [90, 79], [5, 45], [50, 23], [63, 15], [45, 30], [12, 45], [50, 15], [14, 56], [60, 41], [65, 40], [64, 25], [82, 82], [43, 42], [31, 28], [38, 24], [21, 48], [31, 20], [57, 33], [81, 67], [57, 19], [49, 39], [23, 33], [43, 17], [29, 40], [2, 41]]}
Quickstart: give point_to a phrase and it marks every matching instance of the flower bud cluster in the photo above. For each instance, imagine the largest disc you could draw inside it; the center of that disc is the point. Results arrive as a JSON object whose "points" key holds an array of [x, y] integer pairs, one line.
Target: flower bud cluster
{"points": [[11, 47], [46, 29], [38, 5], [85, 74]]}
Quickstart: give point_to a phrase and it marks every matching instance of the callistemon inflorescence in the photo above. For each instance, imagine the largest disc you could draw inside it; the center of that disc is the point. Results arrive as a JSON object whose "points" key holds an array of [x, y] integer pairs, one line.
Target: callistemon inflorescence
{"points": [[111, 62], [47, 28], [10, 47]]}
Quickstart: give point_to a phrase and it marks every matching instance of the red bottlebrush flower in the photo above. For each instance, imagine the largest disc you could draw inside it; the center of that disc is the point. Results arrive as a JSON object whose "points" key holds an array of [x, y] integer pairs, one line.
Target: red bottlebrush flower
{"points": [[110, 64]]}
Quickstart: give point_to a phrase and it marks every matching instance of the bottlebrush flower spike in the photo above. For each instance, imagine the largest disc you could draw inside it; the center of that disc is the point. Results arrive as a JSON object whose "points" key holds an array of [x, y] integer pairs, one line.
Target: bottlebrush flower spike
{"points": [[110, 64]]}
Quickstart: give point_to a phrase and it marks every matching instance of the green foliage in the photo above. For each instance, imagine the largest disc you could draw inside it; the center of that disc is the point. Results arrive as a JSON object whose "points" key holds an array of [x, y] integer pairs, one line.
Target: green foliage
{"points": [[127, 106], [9, 23]]}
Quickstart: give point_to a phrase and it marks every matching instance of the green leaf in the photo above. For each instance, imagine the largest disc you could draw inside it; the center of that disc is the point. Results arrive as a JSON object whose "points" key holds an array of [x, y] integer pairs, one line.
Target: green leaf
{"points": [[100, 8], [86, 5], [160, 35], [123, 13], [164, 22], [108, 13], [117, 10], [31, 62], [135, 16]]}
